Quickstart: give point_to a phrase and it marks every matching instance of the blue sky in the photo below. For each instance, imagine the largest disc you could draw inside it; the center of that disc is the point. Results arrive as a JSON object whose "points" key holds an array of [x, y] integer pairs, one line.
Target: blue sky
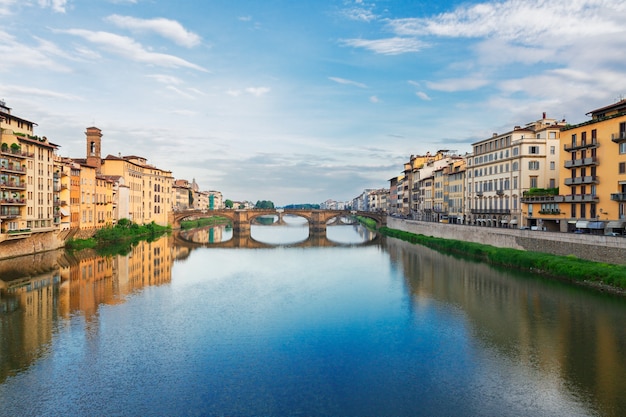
{"points": [[302, 101]]}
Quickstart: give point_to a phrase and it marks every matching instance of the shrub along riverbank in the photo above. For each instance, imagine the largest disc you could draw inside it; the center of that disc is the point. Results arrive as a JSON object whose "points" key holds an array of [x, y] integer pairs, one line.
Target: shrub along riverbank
{"points": [[120, 239], [603, 276]]}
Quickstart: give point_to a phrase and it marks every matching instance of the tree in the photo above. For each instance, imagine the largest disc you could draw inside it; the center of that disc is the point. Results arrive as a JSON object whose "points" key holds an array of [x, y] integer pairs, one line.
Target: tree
{"points": [[265, 204], [228, 203]]}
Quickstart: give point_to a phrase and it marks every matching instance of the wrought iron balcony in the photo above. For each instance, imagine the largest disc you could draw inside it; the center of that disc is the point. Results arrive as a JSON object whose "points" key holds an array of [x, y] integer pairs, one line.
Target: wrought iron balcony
{"points": [[618, 197], [582, 145], [571, 163], [581, 198], [543, 199], [618, 137], [589, 179]]}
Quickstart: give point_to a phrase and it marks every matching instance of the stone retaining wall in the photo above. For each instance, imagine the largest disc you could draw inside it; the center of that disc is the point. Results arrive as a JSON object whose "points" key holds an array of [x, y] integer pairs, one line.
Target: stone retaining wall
{"points": [[608, 249], [36, 243]]}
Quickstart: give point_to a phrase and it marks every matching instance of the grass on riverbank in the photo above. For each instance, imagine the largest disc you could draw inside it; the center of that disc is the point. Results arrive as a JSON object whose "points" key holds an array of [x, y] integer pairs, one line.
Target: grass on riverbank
{"points": [[562, 267], [120, 239], [210, 221]]}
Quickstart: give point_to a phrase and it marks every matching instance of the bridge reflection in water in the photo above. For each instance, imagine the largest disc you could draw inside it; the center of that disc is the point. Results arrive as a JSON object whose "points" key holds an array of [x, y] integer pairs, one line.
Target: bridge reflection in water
{"points": [[218, 236]]}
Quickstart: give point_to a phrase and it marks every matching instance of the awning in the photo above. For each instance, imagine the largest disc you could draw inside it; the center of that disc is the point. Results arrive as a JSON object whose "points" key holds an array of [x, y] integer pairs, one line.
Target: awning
{"points": [[571, 221], [64, 211], [596, 225], [514, 221], [582, 224], [504, 221], [616, 224]]}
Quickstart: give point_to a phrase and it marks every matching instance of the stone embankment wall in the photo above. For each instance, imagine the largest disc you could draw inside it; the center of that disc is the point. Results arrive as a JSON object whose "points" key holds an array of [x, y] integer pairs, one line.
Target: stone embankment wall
{"points": [[36, 243], [609, 249]]}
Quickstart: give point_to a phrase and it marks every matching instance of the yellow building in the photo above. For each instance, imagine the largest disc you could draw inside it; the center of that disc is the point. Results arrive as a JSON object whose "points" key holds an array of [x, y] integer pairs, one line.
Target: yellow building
{"points": [[27, 195], [455, 191], [148, 188], [593, 173]]}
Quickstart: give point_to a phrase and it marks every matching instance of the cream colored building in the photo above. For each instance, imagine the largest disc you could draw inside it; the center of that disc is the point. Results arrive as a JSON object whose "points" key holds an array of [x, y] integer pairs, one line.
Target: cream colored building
{"points": [[27, 179], [505, 166]]}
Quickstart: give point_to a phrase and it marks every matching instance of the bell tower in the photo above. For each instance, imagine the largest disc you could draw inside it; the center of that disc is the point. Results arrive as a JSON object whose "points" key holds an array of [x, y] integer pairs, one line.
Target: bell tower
{"points": [[94, 142]]}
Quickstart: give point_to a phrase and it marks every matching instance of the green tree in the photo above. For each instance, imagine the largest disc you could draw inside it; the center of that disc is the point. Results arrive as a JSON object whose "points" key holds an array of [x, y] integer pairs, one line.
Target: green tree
{"points": [[265, 204], [228, 204]]}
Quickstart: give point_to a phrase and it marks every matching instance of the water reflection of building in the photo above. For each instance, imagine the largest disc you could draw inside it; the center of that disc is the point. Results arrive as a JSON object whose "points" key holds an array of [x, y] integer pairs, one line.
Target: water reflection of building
{"points": [[572, 337], [26, 325], [30, 304]]}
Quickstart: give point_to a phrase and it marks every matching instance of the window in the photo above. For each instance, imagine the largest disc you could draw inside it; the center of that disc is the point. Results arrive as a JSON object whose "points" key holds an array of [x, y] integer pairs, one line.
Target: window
{"points": [[573, 210], [622, 167], [622, 148], [515, 151], [552, 135], [533, 182], [515, 166], [533, 149], [533, 165], [552, 165], [552, 150]]}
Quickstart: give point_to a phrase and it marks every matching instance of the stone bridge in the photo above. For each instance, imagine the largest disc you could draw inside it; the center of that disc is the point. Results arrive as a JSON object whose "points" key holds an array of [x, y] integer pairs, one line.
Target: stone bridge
{"points": [[242, 219]]}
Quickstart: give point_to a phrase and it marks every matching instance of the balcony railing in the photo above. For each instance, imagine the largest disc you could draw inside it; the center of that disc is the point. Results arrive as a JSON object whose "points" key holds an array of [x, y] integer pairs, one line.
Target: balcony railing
{"points": [[13, 168], [550, 211], [618, 197], [581, 198], [618, 137], [13, 201], [543, 199], [16, 153], [571, 163], [582, 145], [490, 211], [589, 179], [12, 184]]}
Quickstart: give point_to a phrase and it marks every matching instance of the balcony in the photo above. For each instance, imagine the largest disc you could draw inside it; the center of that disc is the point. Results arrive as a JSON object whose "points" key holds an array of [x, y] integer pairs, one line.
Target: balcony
{"points": [[13, 168], [572, 163], [15, 185], [543, 199], [490, 211], [550, 211], [7, 213], [589, 179], [583, 145], [581, 198], [12, 201], [16, 153], [618, 137], [17, 234], [618, 197], [479, 193], [500, 192]]}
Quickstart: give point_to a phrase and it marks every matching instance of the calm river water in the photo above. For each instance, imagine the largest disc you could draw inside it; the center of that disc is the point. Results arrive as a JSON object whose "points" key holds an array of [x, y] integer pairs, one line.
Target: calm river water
{"points": [[344, 325]]}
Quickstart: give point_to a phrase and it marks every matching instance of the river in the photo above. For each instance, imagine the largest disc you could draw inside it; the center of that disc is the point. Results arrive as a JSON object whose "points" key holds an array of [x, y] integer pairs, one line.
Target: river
{"points": [[345, 325]]}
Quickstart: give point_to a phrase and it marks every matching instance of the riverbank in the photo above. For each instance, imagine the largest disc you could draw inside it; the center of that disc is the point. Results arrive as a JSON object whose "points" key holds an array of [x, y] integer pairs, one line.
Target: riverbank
{"points": [[600, 276]]}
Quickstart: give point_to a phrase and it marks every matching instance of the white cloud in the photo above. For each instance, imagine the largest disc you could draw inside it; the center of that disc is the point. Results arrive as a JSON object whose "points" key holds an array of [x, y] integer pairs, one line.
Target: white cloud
{"points": [[374, 99], [389, 46], [347, 82], [31, 92], [128, 48], [244, 18], [166, 79], [56, 5], [169, 29], [458, 84], [15, 54], [423, 95], [258, 91]]}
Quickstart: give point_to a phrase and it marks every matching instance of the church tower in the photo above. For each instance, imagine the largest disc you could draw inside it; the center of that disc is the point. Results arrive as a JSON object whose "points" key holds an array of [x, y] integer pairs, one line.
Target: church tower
{"points": [[94, 142]]}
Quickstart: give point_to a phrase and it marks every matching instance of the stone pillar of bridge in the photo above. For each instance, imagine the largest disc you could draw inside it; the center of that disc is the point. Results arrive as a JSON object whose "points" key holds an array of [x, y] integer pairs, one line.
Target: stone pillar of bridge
{"points": [[241, 222], [317, 224]]}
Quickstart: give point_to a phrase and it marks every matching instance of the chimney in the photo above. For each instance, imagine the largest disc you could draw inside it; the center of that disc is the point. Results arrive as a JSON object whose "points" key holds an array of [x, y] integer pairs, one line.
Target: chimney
{"points": [[544, 114]]}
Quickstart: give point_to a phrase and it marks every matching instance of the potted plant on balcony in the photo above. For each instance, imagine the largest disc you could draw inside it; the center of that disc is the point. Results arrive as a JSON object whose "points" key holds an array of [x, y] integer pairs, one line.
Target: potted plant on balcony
{"points": [[15, 148]]}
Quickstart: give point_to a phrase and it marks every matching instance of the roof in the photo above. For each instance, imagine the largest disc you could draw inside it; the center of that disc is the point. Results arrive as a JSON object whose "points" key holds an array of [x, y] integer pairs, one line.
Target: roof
{"points": [[614, 106]]}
